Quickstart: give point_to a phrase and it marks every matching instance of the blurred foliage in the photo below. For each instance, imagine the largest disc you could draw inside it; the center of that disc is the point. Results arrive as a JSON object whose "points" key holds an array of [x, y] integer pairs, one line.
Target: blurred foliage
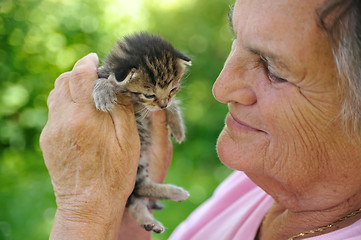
{"points": [[40, 39]]}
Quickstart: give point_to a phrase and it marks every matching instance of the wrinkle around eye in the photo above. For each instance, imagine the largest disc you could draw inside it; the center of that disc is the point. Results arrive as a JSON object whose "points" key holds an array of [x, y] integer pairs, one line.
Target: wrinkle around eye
{"points": [[318, 108]]}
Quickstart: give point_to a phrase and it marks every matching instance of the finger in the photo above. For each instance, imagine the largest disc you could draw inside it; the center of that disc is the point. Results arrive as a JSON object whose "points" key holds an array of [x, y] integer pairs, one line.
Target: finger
{"points": [[159, 129], [62, 81], [90, 58], [82, 79], [126, 128], [60, 95], [159, 123], [50, 101], [123, 112]]}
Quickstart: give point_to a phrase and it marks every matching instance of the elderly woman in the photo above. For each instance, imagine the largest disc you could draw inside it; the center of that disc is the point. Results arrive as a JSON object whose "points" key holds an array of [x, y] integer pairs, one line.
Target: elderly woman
{"points": [[292, 87]]}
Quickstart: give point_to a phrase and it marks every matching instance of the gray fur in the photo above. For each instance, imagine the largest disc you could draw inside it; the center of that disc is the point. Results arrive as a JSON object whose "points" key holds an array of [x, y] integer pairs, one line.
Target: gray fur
{"points": [[148, 70]]}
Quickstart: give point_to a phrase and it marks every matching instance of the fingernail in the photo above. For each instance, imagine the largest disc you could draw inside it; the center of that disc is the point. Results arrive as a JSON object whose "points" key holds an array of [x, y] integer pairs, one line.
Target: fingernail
{"points": [[95, 55]]}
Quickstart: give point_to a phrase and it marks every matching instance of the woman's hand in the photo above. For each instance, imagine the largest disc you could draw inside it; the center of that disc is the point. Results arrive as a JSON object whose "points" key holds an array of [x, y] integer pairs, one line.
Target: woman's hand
{"points": [[91, 156], [161, 155]]}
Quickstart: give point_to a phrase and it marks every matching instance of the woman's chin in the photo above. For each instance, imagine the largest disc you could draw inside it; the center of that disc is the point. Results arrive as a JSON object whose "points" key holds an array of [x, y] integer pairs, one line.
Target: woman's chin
{"points": [[240, 154]]}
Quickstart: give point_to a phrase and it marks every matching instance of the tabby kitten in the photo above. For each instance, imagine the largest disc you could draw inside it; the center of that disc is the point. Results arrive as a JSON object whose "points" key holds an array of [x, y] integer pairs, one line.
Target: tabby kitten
{"points": [[149, 70]]}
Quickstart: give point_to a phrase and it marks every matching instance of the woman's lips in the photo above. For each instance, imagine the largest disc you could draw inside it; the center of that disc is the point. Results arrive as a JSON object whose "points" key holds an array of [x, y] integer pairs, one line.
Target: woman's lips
{"points": [[233, 122]]}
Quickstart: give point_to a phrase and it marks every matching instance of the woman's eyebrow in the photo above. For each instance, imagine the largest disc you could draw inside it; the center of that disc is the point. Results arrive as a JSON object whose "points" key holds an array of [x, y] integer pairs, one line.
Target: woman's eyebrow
{"points": [[269, 58]]}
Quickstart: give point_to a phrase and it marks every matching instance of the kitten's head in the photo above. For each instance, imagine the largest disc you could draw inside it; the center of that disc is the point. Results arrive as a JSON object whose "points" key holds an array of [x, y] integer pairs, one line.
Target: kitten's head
{"points": [[152, 70]]}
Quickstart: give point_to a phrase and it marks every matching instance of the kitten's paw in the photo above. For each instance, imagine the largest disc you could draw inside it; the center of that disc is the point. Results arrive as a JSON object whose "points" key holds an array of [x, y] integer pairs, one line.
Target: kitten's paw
{"points": [[104, 96], [154, 226], [178, 134], [178, 194]]}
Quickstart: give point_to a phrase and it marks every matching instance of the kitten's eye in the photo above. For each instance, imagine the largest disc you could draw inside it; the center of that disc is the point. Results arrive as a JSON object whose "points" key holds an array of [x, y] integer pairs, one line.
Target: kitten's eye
{"points": [[149, 96], [173, 90]]}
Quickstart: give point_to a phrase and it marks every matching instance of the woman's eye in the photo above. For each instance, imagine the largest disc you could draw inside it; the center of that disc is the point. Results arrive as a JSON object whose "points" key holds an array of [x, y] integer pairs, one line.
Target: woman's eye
{"points": [[149, 96], [273, 77]]}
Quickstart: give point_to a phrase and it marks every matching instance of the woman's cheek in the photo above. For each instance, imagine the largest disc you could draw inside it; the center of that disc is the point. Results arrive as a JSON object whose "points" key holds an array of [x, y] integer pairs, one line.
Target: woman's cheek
{"points": [[241, 154]]}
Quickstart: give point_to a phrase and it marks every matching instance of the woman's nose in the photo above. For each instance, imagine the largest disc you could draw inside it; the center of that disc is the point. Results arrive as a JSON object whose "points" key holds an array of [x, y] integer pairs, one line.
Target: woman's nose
{"points": [[234, 85]]}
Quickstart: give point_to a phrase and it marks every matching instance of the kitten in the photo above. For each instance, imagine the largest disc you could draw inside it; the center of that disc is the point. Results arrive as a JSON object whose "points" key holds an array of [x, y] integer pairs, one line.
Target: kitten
{"points": [[149, 70]]}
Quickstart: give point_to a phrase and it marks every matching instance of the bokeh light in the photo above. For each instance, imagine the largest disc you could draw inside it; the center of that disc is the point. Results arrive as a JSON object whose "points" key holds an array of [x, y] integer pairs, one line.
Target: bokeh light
{"points": [[40, 39]]}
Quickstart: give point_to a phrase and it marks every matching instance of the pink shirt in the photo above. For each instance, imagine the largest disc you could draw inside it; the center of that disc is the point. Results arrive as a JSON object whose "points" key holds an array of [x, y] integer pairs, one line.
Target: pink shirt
{"points": [[236, 210]]}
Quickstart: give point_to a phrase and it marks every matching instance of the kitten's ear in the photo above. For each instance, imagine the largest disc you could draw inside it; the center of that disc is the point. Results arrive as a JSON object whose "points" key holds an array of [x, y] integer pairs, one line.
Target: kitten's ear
{"points": [[184, 59], [125, 76], [189, 63], [132, 74]]}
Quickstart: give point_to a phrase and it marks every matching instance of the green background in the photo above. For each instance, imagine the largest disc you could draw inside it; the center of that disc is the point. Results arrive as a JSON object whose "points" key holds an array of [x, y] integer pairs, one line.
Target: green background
{"points": [[40, 39]]}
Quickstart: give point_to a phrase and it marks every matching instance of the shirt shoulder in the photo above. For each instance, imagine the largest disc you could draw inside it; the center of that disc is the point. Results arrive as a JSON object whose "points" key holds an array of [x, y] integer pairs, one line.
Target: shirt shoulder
{"points": [[235, 210]]}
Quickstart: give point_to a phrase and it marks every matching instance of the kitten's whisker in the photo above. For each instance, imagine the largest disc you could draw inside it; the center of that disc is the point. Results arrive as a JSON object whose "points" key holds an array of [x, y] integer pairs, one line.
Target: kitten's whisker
{"points": [[146, 114], [140, 110], [143, 112]]}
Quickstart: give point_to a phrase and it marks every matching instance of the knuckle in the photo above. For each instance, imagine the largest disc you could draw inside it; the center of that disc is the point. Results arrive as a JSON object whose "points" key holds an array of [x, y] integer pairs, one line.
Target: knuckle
{"points": [[60, 80], [50, 99], [43, 140]]}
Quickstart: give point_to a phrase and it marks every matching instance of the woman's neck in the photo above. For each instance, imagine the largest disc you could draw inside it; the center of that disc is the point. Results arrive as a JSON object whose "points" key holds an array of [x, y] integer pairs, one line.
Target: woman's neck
{"points": [[280, 223]]}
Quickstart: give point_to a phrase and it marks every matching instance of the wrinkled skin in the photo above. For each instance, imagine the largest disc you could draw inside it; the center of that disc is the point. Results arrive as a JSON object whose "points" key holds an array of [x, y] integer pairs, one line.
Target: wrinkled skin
{"points": [[92, 158], [283, 128]]}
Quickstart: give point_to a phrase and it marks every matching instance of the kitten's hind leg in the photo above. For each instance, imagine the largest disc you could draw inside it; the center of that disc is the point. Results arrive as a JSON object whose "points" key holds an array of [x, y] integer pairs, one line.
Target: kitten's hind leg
{"points": [[104, 94], [139, 211], [154, 205], [151, 189]]}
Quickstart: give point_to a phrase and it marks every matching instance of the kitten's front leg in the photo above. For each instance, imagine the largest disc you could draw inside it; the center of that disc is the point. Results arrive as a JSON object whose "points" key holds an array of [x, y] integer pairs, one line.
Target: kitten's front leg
{"points": [[104, 94], [175, 122]]}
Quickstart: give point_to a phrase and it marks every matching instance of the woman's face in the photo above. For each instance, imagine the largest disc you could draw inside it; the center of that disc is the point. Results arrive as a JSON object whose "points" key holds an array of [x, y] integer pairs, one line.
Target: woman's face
{"points": [[280, 85]]}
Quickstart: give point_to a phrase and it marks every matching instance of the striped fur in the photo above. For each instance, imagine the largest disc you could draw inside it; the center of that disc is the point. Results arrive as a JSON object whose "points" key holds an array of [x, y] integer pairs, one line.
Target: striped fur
{"points": [[149, 70]]}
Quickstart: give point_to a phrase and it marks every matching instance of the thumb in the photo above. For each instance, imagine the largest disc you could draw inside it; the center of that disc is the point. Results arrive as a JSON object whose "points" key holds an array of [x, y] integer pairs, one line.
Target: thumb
{"points": [[82, 78], [161, 146]]}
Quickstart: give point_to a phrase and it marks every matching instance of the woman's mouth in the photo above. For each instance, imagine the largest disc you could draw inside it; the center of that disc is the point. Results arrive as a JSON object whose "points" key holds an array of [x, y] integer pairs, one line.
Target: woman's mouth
{"points": [[234, 123]]}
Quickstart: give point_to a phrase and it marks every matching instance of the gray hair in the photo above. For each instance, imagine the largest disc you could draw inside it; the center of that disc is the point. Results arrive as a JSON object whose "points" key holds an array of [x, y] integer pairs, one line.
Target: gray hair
{"points": [[342, 21]]}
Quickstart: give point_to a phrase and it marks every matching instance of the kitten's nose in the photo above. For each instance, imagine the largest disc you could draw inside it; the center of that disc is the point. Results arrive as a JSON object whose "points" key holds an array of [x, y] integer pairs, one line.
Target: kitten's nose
{"points": [[162, 106], [163, 103]]}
